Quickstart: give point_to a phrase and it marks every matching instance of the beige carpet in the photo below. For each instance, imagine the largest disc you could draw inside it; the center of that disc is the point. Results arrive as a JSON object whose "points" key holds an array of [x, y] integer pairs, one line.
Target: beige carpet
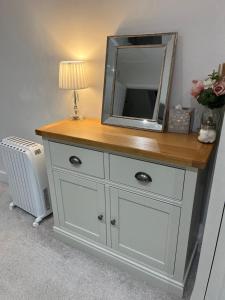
{"points": [[34, 265]]}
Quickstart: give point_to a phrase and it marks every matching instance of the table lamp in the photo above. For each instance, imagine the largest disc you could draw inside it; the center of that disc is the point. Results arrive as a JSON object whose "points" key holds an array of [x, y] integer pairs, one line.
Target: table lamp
{"points": [[72, 77]]}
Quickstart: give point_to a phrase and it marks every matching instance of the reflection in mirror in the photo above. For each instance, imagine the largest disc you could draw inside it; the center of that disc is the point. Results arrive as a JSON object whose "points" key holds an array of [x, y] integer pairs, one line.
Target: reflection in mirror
{"points": [[137, 80]]}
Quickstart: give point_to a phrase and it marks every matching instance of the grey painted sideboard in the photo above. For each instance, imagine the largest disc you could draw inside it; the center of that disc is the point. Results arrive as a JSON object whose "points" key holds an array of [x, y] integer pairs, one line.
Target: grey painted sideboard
{"points": [[142, 214]]}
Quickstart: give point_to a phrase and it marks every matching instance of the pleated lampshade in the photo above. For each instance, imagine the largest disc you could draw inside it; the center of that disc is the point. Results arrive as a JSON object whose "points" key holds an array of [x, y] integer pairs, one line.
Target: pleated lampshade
{"points": [[72, 75]]}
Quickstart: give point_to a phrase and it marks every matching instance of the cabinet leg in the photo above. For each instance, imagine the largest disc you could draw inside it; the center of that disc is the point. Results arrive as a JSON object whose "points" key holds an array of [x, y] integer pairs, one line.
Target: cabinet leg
{"points": [[37, 221]]}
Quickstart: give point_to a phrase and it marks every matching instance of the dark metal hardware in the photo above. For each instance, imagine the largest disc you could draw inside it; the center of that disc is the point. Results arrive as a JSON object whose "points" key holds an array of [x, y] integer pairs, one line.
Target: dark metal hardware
{"points": [[143, 177], [100, 217], [113, 222], [74, 160]]}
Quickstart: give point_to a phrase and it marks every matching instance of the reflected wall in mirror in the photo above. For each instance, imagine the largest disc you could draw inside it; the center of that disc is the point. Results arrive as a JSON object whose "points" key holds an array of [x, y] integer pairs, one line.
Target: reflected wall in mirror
{"points": [[137, 80]]}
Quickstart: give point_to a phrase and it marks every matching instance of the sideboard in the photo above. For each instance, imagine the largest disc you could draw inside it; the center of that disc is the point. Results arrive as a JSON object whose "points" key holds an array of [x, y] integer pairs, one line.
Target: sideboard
{"points": [[130, 196]]}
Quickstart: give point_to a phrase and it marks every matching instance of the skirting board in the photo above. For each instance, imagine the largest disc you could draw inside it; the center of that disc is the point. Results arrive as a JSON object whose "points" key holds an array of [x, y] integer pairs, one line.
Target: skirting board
{"points": [[3, 177], [154, 278]]}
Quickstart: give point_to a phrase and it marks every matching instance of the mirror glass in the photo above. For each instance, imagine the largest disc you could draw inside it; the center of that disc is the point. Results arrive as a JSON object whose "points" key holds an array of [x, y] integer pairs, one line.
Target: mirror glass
{"points": [[137, 79]]}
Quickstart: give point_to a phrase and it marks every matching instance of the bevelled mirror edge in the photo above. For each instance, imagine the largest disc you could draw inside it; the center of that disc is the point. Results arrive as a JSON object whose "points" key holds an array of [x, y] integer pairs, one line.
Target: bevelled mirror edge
{"points": [[168, 40]]}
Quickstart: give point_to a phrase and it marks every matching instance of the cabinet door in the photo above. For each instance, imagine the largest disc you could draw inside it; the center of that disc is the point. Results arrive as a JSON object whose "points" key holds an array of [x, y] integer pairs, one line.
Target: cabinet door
{"points": [[144, 229], [81, 206]]}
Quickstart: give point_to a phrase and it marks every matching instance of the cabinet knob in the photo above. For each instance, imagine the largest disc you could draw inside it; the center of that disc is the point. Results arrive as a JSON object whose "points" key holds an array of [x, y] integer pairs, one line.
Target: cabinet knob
{"points": [[113, 222], [100, 217], [143, 177], [74, 160]]}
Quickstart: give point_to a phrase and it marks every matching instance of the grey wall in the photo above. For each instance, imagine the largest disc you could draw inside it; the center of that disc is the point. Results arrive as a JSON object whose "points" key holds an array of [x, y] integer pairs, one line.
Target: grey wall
{"points": [[36, 35]]}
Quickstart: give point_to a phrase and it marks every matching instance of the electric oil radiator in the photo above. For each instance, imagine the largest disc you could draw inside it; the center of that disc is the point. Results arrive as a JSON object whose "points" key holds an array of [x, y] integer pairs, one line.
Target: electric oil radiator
{"points": [[28, 183]]}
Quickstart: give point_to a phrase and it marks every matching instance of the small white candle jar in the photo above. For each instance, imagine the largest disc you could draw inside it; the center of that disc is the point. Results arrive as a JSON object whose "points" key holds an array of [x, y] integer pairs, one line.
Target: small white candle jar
{"points": [[207, 133]]}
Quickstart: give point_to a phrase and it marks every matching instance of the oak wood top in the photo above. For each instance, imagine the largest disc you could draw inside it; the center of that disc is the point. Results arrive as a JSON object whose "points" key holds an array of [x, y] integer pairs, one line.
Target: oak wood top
{"points": [[178, 149]]}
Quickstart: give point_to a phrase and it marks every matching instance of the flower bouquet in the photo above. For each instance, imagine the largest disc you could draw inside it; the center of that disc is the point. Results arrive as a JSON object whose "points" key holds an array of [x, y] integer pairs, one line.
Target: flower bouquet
{"points": [[211, 91]]}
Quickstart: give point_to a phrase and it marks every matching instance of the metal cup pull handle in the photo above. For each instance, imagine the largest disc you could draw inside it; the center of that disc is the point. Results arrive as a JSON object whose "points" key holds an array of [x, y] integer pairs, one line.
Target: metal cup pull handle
{"points": [[74, 160], [143, 177]]}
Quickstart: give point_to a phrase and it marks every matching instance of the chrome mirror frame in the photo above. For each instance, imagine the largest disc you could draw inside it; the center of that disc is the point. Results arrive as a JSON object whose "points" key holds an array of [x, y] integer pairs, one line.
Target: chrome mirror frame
{"points": [[120, 41]]}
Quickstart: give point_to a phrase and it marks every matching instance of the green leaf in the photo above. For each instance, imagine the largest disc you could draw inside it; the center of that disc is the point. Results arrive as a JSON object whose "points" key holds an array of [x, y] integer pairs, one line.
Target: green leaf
{"points": [[209, 99]]}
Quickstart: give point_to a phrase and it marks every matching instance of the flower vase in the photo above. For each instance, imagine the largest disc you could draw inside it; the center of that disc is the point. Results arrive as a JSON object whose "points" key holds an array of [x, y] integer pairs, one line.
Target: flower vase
{"points": [[209, 123], [210, 116]]}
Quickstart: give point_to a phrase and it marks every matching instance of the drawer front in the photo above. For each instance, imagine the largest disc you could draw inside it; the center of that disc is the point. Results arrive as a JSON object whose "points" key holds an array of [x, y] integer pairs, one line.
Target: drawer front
{"points": [[162, 180], [77, 159]]}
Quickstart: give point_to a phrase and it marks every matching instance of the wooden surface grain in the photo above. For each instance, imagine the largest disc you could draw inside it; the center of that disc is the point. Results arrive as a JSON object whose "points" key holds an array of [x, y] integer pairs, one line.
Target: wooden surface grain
{"points": [[179, 149]]}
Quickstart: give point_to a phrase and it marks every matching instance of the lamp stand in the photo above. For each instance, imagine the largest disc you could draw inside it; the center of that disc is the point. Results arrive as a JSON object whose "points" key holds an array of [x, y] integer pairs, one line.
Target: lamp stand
{"points": [[76, 114]]}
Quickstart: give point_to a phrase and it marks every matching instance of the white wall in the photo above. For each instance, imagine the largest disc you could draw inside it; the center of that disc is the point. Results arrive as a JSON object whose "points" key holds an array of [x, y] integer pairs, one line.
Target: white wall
{"points": [[36, 34]]}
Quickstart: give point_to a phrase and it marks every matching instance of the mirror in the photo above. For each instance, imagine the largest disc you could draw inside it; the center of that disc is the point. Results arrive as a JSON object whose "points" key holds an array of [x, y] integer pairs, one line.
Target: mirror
{"points": [[137, 80]]}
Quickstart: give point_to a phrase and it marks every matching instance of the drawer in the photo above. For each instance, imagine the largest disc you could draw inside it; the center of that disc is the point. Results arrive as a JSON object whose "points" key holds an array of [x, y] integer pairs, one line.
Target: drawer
{"points": [[155, 178], [77, 159]]}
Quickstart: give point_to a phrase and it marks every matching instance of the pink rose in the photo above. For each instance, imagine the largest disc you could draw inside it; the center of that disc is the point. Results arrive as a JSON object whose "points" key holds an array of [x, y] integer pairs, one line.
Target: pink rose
{"points": [[219, 88], [197, 88]]}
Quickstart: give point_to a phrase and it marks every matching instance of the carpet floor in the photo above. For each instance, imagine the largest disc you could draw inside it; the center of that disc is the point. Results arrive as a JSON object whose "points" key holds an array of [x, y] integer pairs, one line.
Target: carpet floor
{"points": [[35, 265]]}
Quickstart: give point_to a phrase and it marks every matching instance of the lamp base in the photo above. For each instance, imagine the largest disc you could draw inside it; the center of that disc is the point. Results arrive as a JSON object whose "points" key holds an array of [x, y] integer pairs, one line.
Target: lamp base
{"points": [[77, 117]]}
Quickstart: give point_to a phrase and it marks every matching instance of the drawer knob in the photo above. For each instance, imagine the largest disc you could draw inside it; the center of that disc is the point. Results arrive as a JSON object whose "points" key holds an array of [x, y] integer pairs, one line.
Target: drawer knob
{"points": [[113, 222], [74, 160], [143, 177], [100, 217]]}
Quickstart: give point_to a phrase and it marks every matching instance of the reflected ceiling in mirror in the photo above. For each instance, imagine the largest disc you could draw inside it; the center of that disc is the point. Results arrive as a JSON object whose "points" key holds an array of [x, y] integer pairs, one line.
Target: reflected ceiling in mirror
{"points": [[137, 80]]}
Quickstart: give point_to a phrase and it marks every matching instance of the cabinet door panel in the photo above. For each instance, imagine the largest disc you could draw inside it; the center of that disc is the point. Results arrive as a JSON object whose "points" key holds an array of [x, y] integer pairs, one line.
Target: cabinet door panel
{"points": [[145, 229], [80, 202]]}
